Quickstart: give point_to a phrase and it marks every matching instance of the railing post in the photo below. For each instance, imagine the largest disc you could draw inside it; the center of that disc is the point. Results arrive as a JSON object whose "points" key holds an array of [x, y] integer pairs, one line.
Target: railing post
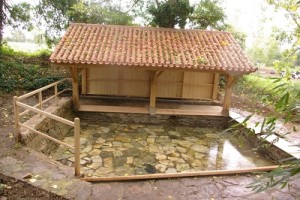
{"points": [[55, 93], [17, 119], [77, 145], [40, 101]]}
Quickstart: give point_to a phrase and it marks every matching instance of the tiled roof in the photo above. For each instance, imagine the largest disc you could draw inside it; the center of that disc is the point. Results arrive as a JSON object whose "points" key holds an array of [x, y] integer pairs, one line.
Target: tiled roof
{"points": [[92, 44]]}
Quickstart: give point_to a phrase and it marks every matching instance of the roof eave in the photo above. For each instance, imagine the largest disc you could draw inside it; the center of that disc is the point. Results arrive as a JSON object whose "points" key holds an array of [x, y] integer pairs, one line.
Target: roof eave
{"points": [[223, 71]]}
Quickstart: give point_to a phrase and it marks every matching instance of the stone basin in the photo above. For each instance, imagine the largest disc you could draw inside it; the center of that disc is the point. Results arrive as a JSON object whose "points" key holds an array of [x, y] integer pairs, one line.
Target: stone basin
{"points": [[127, 144]]}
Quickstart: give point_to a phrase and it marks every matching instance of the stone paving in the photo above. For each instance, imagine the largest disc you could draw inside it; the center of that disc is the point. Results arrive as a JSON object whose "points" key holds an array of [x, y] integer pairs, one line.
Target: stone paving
{"points": [[133, 148]]}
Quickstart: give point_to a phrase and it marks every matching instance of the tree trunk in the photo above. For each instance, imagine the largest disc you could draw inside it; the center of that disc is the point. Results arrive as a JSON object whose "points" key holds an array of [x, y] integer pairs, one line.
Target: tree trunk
{"points": [[2, 20]]}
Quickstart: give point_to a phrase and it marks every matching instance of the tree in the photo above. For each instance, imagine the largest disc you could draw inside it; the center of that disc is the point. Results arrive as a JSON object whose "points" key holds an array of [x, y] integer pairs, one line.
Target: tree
{"points": [[2, 19], [18, 36], [53, 16], [16, 15], [39, 39], [170, 13], [96, 13], [291, 7], [57, 15], [19, 16], [205, 14], [209, 14], [265, 51], [297, 62]]}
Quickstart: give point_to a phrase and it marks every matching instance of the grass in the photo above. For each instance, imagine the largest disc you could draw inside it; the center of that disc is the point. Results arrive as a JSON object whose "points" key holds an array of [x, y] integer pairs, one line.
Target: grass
{"points": [[26, 71], [281, 95]]}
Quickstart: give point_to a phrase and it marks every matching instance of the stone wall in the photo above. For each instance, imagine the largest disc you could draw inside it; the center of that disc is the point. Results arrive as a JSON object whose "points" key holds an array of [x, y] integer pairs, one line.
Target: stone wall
{"points": [[271, 152], [191, 121], [52, 128]]}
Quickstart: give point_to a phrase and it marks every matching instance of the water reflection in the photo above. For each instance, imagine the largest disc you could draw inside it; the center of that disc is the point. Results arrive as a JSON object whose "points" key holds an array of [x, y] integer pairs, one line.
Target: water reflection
{"points": [[226, 154]]}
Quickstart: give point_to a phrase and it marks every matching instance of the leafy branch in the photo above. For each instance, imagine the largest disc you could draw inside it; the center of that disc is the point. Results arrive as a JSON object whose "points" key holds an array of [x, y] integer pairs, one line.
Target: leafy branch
{"points": [[279, 177]]}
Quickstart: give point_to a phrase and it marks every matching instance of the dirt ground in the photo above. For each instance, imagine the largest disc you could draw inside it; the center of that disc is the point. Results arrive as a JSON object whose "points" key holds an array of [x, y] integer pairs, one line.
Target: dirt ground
{"points": [[13, 189], [243, 102]]}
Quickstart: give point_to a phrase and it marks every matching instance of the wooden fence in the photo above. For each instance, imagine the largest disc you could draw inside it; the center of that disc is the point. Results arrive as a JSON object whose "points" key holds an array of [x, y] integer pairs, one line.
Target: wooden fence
{"points": [[38, 108]]}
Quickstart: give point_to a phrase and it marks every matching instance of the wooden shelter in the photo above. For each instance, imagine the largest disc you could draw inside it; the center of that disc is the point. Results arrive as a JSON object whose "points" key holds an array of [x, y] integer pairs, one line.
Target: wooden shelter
{"points": [[130, 61]]}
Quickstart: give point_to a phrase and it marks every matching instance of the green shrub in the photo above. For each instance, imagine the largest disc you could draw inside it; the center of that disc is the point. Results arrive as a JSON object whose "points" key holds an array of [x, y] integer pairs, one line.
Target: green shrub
{"points": [[25, 71], [40, 82]]}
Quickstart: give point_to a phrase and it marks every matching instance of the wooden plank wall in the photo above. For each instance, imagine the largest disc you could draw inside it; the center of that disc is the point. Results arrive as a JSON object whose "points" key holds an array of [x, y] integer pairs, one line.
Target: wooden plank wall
{"points": [[198, 85], [169, 84], [102, 81], [118, 82], [136, 83]]}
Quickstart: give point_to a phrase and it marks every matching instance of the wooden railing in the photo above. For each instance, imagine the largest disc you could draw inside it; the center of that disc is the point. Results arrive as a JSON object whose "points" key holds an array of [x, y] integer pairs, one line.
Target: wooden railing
{"points": [[38, 108]]}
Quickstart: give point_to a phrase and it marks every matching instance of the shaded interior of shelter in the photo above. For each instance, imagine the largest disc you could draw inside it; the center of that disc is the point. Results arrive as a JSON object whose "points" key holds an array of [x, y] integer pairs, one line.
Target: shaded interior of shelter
{"points": [[114, 144]]}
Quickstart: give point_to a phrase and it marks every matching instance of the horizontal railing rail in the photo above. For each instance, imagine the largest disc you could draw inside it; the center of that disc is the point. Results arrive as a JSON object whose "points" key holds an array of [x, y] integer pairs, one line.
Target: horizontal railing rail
{"points": [[55, 84], [57, 118]]}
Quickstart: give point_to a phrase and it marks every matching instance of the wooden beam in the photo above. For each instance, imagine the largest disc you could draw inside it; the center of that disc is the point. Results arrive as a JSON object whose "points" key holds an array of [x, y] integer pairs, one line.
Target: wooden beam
{"points": [[228, 91], [75, 88], [197, 110], [113, 109], [182, 174], [215, 87]]}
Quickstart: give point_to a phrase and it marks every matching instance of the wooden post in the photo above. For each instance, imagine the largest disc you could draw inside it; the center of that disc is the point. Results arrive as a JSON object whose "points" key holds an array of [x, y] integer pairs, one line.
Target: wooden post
{"points": [[17, 119], [83, 77], [56, 95], [228, 91], [40, 101], [75, 88], [153, 89], [215, 87], [77, 146]]}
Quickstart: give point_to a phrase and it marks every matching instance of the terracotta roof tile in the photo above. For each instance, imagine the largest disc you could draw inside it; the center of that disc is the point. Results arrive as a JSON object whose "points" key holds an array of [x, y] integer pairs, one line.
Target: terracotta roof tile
{"points": [[93, 44]]}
